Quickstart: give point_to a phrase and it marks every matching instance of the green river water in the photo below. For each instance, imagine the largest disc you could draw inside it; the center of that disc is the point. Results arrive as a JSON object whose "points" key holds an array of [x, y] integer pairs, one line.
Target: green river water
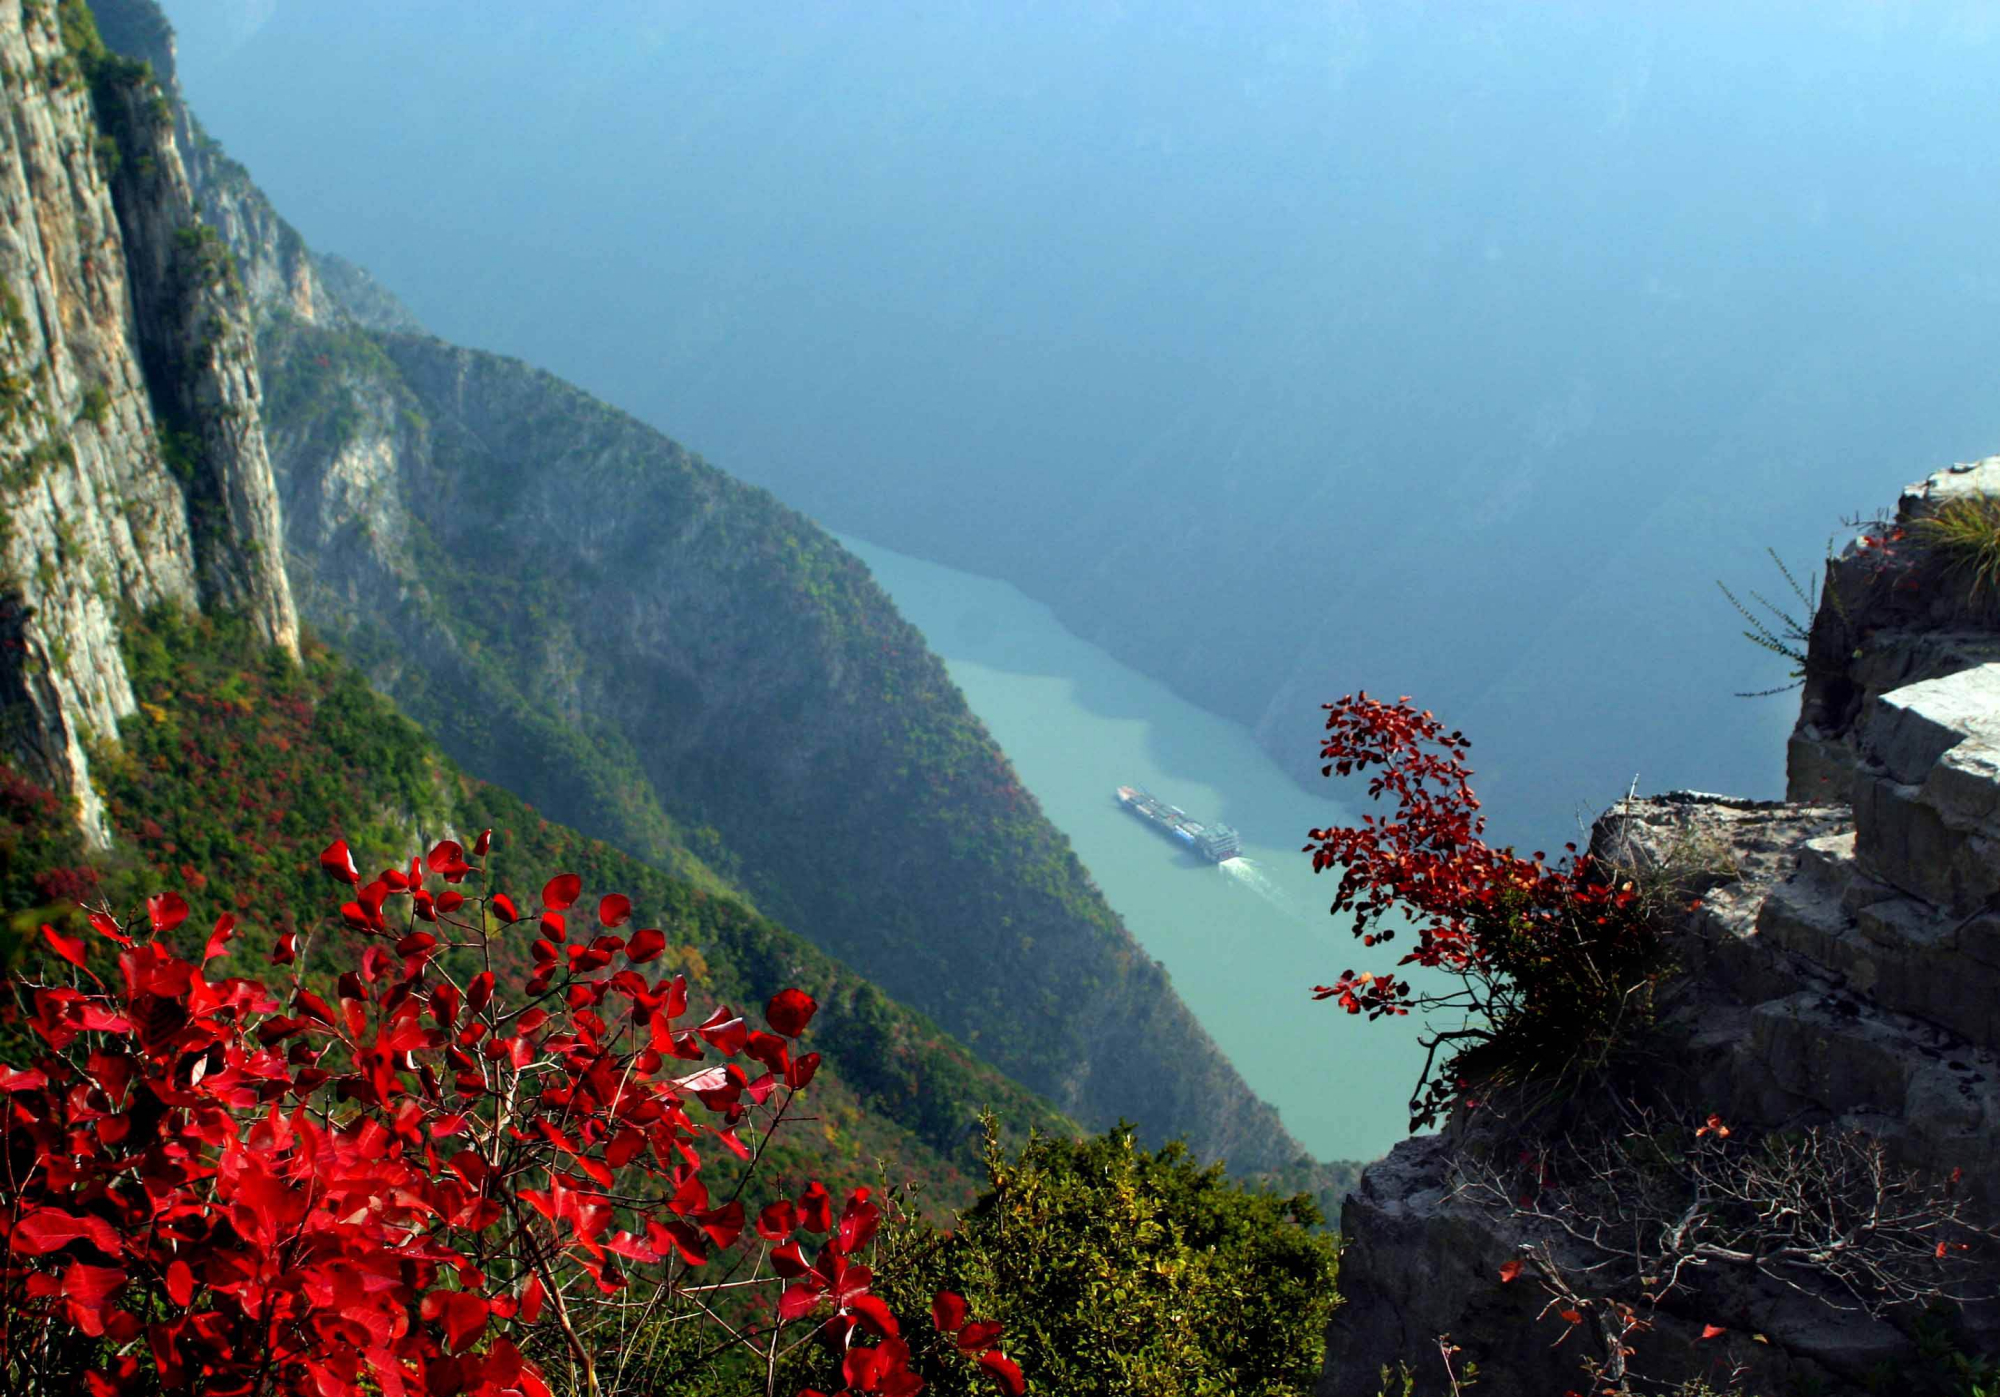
{"points": [[1244, 941]]}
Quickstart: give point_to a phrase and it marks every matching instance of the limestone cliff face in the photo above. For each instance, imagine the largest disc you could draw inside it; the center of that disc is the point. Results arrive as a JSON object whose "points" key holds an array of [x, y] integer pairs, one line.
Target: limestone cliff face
{"points": [[122, 332], [1842, 970]]}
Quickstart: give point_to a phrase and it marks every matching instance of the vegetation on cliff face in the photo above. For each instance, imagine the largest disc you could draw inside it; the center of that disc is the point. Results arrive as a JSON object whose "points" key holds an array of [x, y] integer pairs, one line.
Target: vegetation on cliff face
{"points": [[1117, 1270], [242, 764]]}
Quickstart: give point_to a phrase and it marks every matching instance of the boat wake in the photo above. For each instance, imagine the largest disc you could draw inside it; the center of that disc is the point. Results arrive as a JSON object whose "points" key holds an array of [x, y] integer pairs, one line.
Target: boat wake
{"points": [[1249, 874]]}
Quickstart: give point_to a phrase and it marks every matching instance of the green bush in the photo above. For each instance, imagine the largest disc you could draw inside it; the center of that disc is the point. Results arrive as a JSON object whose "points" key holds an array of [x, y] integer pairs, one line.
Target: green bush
{"points": [[1118, 1270], [96, 405]]}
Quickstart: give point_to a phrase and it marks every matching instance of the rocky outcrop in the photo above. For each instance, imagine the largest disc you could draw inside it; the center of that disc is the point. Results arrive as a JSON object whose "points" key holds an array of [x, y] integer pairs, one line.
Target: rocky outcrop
{"points": [[1841, 972], [363, 300], [1885, 620], [98, 329], [196, 343]]}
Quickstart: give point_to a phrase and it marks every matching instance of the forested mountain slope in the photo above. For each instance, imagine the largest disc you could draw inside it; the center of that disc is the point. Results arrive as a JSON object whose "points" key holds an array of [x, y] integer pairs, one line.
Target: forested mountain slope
{"points": [[675, 662]]}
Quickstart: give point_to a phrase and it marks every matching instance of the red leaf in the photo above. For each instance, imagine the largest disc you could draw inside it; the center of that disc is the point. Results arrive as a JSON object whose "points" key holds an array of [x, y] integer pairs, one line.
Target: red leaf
{"points": [[859, 1221], [91, 1285], [724, 1032], [948, 1312], [980, 1334], [447, 859], [463, 1315], [337, 862], [218, 940], [769, 1049], [482, 844], [1710, 1331], [180, 1283], [1571, 1315], [70, 948], [108, 927], [800, 1073], [1004, 1372], [723, 1225], [286, 949], [645, 945], [503, 907], [734, 1143], [859, 1369], [776, 1221], [479, 991], [167, 911], [561, 891], [30, 1080], [614, 909], [624, 1148], [46, 1229], [1509, 1271], [798, 1301], [790, 1011], [815, 1208]]}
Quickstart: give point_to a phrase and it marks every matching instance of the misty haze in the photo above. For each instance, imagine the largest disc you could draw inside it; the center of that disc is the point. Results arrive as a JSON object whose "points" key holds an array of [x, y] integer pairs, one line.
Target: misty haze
{"points": [[1080, 698]]}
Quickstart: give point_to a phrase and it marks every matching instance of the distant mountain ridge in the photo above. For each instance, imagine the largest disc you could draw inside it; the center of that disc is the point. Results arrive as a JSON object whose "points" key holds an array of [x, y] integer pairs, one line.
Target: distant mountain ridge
{"points": [[673, 661]]}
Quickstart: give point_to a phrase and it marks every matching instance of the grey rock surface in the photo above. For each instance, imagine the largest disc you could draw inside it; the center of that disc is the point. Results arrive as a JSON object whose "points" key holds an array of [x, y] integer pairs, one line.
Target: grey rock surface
{"points": [[1887, 620], [97, 519]]}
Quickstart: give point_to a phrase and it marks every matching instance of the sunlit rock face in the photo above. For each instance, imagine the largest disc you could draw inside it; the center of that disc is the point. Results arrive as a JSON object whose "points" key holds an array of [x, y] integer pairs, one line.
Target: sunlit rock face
{"points": [[122, 332], [1881, 626], [1841, 971]]}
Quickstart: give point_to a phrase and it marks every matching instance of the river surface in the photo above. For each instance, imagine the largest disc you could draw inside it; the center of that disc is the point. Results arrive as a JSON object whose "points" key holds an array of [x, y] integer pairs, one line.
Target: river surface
{"points": [[1244, 941]]}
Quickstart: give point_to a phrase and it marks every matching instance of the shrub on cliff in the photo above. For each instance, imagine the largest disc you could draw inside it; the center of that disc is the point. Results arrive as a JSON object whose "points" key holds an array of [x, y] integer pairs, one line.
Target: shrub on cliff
{"points": [[1623, 1211], [1548, 968], [1117, 1271], [469, 1171]]}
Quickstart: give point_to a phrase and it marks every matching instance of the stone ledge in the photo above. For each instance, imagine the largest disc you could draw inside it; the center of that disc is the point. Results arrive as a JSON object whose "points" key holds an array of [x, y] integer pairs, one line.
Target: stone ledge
{"points": [[1927, 800]]}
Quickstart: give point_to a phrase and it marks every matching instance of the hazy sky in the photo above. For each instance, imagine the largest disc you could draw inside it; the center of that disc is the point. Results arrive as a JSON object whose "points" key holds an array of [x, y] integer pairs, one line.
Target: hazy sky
{"points": [[1448, 347]]}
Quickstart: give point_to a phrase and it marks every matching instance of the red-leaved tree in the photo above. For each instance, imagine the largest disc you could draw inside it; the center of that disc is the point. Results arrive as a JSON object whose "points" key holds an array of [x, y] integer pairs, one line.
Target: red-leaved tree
{"points": [[456, 1175], [1542, 964]]}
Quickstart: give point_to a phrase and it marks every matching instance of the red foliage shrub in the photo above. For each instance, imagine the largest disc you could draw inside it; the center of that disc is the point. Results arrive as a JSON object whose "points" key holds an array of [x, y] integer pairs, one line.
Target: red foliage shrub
{"points": [[78, 885], [1549, 961], [21, 798], [437, 1181]]}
